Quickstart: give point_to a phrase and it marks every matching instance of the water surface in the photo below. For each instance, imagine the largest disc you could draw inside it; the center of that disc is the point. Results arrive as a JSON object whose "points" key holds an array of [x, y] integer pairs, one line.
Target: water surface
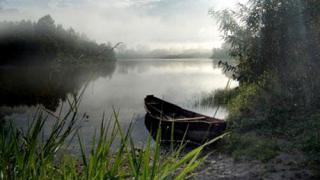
{"points": [[121, 86]]}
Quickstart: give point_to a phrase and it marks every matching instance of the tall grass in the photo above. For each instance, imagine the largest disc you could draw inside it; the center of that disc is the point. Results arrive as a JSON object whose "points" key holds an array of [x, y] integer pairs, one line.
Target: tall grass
{"points": [[32, 154]]}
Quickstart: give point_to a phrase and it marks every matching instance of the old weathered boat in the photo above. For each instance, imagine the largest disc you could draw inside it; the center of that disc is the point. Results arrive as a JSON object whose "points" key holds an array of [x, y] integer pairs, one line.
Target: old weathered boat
{"points": [[177, 123]]}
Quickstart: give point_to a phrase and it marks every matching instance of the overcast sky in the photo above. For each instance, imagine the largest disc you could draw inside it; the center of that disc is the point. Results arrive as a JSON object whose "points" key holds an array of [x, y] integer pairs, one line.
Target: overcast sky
{"points": [[145, 23]]}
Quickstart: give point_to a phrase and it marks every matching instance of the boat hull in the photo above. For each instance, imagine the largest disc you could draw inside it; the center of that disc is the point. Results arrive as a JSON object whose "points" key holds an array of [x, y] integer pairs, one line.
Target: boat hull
{"points": [[180, 124], [182, 131]]}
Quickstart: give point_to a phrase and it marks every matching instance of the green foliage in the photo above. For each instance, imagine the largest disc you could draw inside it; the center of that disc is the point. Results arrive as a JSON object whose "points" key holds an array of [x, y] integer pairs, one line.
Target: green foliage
{"points": [[238, 100], [219, 97], [27, 42], [276, 45], [26, 155], [251, 114], [280, 37], [309, 136], [31, 155], [242, 100], [311, 146], [251, 146]]}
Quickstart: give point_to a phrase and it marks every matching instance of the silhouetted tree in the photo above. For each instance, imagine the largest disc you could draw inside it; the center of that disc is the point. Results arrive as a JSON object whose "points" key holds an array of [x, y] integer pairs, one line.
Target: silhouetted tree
{"points": [[44, 42]]}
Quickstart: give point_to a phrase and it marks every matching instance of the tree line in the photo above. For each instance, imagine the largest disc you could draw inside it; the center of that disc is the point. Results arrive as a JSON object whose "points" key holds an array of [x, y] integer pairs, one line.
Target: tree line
{"points": [[45, 42]]}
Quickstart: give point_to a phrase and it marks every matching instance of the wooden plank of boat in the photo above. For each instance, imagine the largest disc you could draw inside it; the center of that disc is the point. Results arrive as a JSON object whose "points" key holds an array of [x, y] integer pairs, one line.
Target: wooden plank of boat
{"points": [[189, 119], [193, 132], [177, 119]]}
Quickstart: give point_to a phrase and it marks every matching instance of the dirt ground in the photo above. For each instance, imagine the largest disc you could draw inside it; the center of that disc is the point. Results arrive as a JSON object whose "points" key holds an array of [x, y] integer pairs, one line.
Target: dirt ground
{"points": [[284, 166]]}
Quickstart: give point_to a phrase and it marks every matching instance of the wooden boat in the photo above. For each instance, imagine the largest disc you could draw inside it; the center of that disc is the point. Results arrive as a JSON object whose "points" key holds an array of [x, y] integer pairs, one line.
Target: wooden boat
{"points": [[180, 123]]}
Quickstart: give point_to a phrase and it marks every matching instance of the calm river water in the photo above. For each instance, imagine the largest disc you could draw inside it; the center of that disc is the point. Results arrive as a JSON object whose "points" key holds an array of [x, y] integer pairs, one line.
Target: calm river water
{"points": [[122, 85]]}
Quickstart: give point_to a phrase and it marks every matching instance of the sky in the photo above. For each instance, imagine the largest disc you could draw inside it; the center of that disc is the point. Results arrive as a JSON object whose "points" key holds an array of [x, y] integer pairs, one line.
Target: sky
{"points": [[149, 24]]}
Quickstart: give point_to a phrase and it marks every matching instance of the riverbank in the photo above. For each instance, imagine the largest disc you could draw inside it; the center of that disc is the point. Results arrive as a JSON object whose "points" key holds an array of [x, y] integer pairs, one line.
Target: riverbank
{"points": [[284, 166], [275, 109], [277, 144]]}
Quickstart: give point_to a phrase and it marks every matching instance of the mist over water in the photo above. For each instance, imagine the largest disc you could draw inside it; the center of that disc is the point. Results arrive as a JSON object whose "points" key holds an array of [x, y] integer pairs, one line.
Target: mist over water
{"points": [[181, 81]]}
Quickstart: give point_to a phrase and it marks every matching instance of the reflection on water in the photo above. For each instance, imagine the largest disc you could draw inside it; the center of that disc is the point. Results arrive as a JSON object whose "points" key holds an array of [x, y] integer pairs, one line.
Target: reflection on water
{"points": [[46, 85], [122, 86]]}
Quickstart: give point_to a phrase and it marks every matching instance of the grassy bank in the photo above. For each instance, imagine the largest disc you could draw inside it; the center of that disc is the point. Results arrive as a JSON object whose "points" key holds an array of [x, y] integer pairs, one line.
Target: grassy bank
{"points": [[264, 126], [34, 154]]}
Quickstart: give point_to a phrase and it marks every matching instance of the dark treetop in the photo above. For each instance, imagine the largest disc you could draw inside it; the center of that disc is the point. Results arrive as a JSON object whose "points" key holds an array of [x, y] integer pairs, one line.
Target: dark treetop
{"points": [[41, 42]]}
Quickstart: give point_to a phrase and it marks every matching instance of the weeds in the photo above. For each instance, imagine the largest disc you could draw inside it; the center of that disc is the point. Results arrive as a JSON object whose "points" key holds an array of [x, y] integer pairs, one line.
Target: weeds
{"points": [[251, 146], [255, 114], [32, 155]]}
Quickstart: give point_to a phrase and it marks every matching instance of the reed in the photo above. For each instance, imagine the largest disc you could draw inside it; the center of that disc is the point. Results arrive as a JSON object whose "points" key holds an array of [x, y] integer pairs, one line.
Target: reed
{"points": [[31, 154]]}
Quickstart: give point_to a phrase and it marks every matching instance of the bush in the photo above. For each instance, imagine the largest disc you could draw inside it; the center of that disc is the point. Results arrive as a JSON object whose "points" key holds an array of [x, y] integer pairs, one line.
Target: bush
{"points": [[219, 97], [251, 146], [253, 110], [310, 138]]}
